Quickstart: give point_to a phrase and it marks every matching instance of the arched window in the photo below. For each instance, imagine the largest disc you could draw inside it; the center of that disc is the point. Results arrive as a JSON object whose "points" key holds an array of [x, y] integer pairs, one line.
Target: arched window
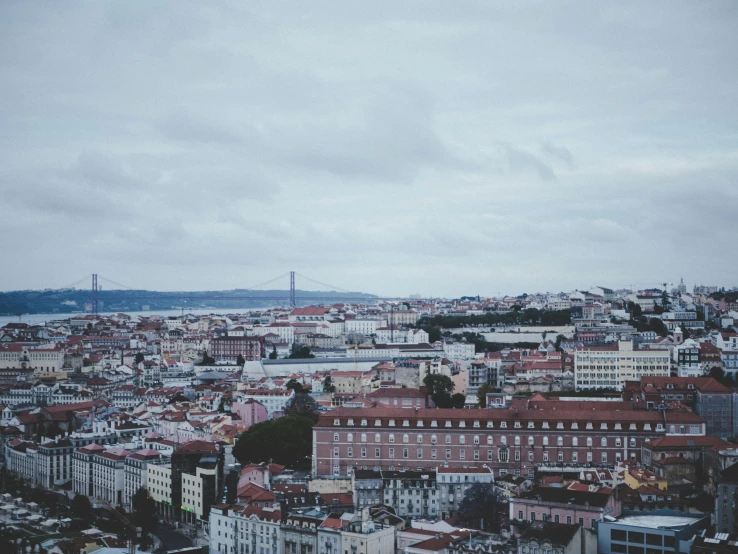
{"points": [[434, 439], [517, 441], [603, 441], [462, 439], [363, 437], [335, 436], [476, 439], [405, 438], [545, 441], [589, 441], [350, 437], [560, 441]]}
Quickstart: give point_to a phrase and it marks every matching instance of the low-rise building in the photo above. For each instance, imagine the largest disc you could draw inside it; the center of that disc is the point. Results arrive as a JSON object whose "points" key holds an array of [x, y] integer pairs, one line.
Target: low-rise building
{"points": [[662, 531]]}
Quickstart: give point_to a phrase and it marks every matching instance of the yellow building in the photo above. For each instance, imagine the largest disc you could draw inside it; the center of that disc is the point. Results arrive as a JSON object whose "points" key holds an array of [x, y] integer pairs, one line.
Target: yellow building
{"points": [[635, 478]]}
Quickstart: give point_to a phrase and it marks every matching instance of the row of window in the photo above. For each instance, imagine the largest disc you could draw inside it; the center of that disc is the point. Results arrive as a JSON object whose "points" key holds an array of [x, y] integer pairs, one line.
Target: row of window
{"points": [[603, 426], [503, 455], [503, 440]]}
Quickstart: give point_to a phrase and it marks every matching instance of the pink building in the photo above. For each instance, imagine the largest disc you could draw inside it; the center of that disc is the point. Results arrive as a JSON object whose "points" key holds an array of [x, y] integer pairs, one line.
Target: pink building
{"points": [[251, 412], [531, 433], [565, 505], [252, 473]]}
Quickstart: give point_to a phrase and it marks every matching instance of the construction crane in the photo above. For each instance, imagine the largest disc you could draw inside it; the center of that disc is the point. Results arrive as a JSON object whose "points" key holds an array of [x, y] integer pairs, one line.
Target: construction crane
{"points": [[132, 531]]}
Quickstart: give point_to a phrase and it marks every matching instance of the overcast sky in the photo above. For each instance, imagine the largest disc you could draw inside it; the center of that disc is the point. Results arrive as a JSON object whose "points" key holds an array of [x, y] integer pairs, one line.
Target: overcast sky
{"points": [[440, 148]]}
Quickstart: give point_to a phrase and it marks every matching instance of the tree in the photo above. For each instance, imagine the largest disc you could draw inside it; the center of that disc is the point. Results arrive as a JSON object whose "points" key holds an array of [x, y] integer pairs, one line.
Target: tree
{"points": [[440, 387], [273, 353], [328, 385], [557, 344], [483, 507], [482, 394], [287, 440], [300, 352], [139, 358], [207, 360], [658, 327], [295, 385], [81, 508], [302, 404], [240, 360], [635, 310], [458, 400], [144, 511]]}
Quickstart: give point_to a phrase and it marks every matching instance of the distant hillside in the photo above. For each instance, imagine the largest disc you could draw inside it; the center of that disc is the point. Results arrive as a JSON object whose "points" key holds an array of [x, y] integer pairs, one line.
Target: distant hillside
{"points": [[74, 300]]}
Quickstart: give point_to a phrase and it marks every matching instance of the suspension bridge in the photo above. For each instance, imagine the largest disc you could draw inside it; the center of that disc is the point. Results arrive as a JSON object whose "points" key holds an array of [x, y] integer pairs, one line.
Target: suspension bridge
{"points": [[290, 289]]}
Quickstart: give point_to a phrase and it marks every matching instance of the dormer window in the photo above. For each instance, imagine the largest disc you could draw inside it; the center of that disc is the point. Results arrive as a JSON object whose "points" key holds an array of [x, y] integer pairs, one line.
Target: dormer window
{"points": [[690, 386], [336, 422], [603, 426], [434, 423], [406, 423], [391, 422], [575, 425], [531, 425], [448, 424], [659, 427], [462, 423], [559, 425], [377, 423], [420, 423], [363, 423], [350, 422], [646, 426], [516, 425], [503, 425], [589, 426], [632, 427], [618, 427], [545, 425], [490, 425], [669, 386], [476, 424]]}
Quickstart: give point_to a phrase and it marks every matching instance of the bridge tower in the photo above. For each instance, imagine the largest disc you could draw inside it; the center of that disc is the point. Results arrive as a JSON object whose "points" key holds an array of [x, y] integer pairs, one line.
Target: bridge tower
{"points": [[94, 294], [292, 289]]}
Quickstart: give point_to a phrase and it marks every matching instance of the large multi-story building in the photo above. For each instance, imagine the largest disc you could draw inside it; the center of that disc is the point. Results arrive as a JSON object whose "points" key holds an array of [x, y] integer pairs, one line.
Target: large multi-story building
{"points": [[108, 475], [529, 433], [230, 348], [610, 366], [41, 360], [236, 529], [274, 400], [55, 462], [82, 478], [136, 471], [715, 403], [197, 477]]}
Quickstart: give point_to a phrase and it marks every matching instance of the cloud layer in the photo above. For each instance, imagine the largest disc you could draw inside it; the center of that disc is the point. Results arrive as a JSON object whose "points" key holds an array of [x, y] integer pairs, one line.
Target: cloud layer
{"points": [[430, 147]]}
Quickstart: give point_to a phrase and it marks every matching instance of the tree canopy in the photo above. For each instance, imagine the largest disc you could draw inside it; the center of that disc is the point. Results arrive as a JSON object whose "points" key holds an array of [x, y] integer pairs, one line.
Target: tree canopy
{"points": [[301, 351], [81, 508], [441, 389], [483, 507], [302, 404], [295, 385], [287, 440], [144, 511]]}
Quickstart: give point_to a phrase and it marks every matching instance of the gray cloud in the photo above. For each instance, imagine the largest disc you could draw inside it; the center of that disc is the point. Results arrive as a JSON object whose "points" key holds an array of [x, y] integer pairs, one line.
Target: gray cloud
{"points": [[484, 147]]}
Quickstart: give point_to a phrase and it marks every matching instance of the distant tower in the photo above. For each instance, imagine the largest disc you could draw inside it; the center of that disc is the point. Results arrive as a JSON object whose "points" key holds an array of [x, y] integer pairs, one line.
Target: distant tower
{"points": [[682, 288], [292, 289], [94, 294]]}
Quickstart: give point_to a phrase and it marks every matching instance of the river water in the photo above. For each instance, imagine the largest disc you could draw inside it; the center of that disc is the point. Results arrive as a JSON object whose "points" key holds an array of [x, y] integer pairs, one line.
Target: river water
{"points": [[38, 319]]}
